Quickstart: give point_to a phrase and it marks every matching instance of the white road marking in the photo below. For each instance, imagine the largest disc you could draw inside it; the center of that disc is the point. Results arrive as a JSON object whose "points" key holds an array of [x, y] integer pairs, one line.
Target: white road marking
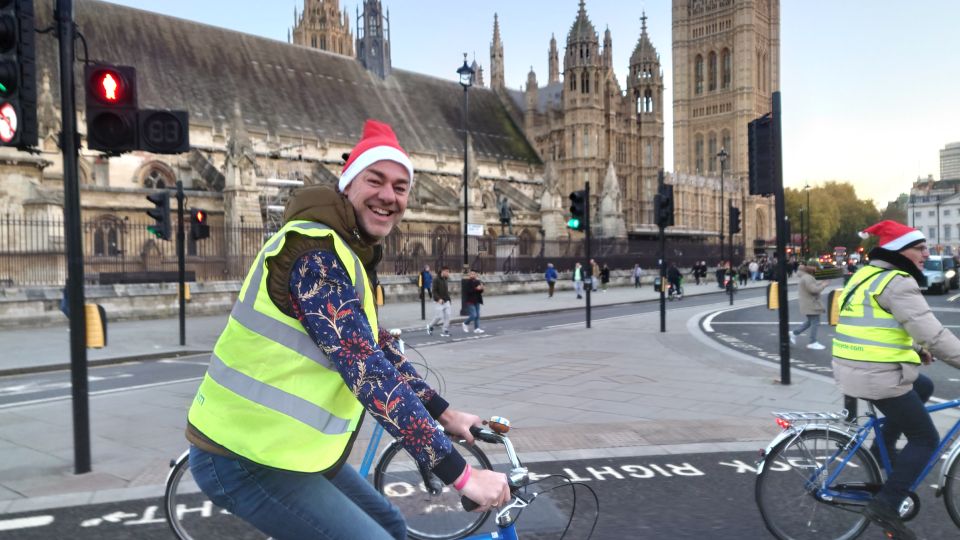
{"points": [[952, 298], [25, 522], [97, 393]]}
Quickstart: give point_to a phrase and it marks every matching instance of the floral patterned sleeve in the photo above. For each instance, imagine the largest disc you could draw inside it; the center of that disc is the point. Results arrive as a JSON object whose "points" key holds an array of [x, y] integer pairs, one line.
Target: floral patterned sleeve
{"points": [[428, 396], [325, 302]]}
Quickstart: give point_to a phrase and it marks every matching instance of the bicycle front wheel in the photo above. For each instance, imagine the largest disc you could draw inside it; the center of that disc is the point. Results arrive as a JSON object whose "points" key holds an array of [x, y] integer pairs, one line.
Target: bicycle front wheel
{"points": [[192, 516], [786, 489], [428, 516], [951, 491]]}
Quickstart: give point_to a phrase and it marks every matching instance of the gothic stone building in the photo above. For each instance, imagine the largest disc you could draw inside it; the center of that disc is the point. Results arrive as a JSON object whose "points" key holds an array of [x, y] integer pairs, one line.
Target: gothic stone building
{"points": [[726, 66]]}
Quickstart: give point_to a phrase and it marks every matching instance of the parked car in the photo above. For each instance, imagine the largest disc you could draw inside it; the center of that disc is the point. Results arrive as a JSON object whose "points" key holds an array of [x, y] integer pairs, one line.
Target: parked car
{"points": [[950, 266], [937, 279]]}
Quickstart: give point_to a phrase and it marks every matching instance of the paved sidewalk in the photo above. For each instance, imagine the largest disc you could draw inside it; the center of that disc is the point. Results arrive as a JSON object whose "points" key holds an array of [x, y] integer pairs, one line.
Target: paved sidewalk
{"points": [[620, 388]]}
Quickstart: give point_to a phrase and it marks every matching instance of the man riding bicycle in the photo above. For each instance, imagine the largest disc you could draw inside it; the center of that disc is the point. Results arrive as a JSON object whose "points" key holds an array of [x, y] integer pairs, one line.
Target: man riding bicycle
{"points": [[303, 357], [886, 331]]}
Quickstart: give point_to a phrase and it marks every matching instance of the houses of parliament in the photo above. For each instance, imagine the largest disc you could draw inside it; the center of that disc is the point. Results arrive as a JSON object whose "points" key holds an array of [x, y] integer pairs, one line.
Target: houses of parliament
{"points": [[530, 146]]}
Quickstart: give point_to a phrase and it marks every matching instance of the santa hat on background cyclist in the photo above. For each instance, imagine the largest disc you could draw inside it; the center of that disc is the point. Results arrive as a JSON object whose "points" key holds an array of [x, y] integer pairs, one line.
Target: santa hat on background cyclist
{"points": [[893, 236], [378, 143]]}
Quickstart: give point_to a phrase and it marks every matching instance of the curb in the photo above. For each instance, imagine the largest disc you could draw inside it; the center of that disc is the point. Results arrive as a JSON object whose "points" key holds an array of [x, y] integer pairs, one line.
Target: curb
{"points": [[102, 362]]}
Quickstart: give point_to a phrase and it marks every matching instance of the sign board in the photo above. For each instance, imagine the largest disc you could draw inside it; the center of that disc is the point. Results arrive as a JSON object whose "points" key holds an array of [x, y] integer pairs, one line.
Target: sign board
{"points": [[475, 229]]}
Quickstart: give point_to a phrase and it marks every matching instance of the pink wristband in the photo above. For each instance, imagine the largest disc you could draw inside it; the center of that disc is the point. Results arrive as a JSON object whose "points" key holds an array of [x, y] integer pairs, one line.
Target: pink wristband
{"points": [[459, 484]]}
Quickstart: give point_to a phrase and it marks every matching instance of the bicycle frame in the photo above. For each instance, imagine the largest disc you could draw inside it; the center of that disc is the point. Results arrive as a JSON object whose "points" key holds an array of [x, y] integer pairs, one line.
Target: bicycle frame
{"points": [[875, 425]]}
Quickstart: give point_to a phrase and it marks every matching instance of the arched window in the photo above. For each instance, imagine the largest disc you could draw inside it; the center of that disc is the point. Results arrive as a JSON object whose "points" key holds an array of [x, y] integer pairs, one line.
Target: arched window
{"points": [[712, 152], [108, 234], [698, 75], [698, 155], [438, 244], [526, 243], [727, 65], [648, 100], [157, 175], [712, 71], [573, 81], [725, 144], [585, 83]]}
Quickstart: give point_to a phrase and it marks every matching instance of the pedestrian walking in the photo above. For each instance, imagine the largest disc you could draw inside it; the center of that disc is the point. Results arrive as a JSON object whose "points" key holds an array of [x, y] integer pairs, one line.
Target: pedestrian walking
{"points": [[441, 299], [604, 277], [551, 276], [473, 300], [808, 291], [754, 268], [426, 282], [594, 275], [743, 273], [578, 280], [303, 356], [886, 332], [637, 274]]}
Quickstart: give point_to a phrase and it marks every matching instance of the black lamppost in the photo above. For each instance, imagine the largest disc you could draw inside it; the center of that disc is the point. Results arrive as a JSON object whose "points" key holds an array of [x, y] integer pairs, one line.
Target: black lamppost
{"points": [[466, 81], [722, 154], [806, 237]]}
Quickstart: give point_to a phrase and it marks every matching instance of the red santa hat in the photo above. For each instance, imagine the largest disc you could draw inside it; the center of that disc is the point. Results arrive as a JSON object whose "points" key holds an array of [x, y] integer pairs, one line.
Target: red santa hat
{"points": [[377, 143], [894, 236]]}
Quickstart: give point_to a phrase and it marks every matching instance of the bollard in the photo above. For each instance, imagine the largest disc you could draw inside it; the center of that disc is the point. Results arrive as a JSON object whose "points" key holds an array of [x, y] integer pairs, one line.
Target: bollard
{"points": [[833, 311], [379, 294], [96, 318], [773, 300]]}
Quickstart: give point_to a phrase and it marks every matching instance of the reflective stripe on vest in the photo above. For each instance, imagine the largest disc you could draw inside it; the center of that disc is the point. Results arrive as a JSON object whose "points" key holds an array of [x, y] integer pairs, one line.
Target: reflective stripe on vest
{"points": [[866, 331], [270, 394]]}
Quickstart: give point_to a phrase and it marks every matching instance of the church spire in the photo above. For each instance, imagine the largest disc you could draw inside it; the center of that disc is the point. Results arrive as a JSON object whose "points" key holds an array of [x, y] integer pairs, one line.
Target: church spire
{"points": [[496, 57], [553, 61]]}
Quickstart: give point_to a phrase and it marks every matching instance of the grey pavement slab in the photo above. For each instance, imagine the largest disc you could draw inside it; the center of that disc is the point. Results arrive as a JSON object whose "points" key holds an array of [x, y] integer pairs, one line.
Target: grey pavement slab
{"points": [[618, 388]]}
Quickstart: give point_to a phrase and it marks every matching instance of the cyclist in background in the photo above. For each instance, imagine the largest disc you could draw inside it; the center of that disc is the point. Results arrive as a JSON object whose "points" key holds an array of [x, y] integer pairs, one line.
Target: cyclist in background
{"points": [[886, 331], [303, 357], [674, 278]]}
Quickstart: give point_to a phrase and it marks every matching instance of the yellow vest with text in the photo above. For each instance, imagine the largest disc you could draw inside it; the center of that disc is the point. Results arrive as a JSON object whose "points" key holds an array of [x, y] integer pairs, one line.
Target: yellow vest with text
{"points": [[866, 331], [270, 394]]}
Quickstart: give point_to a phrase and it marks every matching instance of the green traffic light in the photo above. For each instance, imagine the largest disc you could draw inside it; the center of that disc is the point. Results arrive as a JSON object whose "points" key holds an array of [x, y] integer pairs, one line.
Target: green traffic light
{"points": [[153, 230], [573, 223]]}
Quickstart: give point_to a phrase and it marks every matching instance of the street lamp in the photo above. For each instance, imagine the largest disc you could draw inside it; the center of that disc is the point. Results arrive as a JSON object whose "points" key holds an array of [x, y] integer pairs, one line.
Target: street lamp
{"points": [[806, 237], [466, 81], [722, 154]]}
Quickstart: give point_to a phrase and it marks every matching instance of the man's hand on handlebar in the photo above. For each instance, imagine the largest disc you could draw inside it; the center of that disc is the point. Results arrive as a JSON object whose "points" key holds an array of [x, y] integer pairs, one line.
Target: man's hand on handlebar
{"points": [[458, 423], [487, 489]]}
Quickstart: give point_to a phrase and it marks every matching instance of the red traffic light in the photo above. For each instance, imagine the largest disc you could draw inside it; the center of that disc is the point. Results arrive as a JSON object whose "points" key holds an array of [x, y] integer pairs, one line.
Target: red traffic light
{"points": [[108, 86]]}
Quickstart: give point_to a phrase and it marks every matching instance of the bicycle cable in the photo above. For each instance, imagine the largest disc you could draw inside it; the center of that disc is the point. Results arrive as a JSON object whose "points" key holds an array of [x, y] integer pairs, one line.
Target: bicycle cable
{"points": [[572, 485]]}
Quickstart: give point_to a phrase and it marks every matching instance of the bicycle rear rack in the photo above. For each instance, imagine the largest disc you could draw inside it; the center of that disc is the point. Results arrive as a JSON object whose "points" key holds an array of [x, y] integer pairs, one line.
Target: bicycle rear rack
{"points": [[787, 419]]}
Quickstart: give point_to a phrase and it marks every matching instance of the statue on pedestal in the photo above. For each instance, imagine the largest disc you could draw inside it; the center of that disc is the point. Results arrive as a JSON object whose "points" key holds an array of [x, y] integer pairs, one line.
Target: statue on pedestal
{"points": [[506, 215]]}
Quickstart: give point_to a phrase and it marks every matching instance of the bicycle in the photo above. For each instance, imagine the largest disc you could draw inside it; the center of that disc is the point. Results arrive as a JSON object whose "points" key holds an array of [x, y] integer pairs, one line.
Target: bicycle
{"points": [[430, 508], [815, 477]]}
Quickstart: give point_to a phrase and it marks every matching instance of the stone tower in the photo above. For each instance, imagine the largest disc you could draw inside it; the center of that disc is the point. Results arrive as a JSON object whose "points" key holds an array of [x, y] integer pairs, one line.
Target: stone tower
{"points": [[323, 26], [584, 78], [645, 92], [497, 81], [726, 66], [373, 38], [554, 62]]}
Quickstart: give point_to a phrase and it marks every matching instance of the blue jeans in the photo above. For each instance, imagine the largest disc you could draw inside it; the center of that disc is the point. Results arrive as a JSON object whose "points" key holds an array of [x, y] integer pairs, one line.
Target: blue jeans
{"points": [[473, 314], [813, 323], [906, 414], [294, 505]]}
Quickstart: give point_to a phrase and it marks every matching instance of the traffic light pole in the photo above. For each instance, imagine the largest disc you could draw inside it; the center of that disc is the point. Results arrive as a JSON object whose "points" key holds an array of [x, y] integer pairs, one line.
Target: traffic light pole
{"points": [[730, 243], [781, 243], [181, 264], [586, 229], [72, 231], [663, 264]]}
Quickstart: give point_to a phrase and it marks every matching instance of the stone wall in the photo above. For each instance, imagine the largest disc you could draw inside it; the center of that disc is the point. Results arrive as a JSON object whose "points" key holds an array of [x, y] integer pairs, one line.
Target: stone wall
{"points": [[29, 307]]}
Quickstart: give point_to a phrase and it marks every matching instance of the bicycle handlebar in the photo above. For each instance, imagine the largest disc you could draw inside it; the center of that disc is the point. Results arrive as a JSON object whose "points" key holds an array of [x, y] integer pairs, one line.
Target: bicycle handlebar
{"points": [[518, 473]]}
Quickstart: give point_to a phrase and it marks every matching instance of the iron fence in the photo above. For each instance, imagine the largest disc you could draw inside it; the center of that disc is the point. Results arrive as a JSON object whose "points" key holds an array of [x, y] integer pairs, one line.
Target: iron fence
{"points": [[32, 251]]}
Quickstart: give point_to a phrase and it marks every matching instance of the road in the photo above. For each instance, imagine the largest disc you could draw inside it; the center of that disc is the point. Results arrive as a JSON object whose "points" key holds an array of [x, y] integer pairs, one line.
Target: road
{"points": [[35, 388], [754, 331], [696, 496]]}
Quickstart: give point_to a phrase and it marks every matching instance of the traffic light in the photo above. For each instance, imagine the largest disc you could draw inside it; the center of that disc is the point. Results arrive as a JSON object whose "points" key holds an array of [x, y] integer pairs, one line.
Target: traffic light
{"points": [[578, 210], [111, 93], [199, 228], [18, 75], [663, 206], [763, 158], [734, 219], [161, 214], [163, 132]]}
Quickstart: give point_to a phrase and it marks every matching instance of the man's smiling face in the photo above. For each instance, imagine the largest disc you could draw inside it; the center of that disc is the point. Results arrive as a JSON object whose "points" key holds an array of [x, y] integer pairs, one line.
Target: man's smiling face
{"points": [[379, 196]]}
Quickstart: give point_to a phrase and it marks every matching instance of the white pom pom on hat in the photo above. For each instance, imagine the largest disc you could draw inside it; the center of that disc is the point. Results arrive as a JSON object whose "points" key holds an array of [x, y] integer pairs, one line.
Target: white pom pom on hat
{"points": [[377, 143], [893, 236]]}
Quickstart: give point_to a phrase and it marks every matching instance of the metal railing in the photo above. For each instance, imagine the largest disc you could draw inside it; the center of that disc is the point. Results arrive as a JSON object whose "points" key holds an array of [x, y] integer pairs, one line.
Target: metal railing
{"points": [[32, 251]]}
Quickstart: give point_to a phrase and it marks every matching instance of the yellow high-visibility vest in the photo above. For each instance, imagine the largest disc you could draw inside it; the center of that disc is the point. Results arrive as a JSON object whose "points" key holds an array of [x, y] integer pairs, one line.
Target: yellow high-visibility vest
{"points": [[866, 331], [270, 394]]}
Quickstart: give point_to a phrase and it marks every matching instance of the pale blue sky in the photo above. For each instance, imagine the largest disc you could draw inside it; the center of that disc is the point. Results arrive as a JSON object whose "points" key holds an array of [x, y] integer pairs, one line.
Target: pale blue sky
{"points": [[869, 87]]}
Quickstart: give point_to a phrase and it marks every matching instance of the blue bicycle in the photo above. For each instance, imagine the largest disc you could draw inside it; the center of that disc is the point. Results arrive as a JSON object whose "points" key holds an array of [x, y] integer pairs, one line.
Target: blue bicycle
{"points": [[816, 476]]}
